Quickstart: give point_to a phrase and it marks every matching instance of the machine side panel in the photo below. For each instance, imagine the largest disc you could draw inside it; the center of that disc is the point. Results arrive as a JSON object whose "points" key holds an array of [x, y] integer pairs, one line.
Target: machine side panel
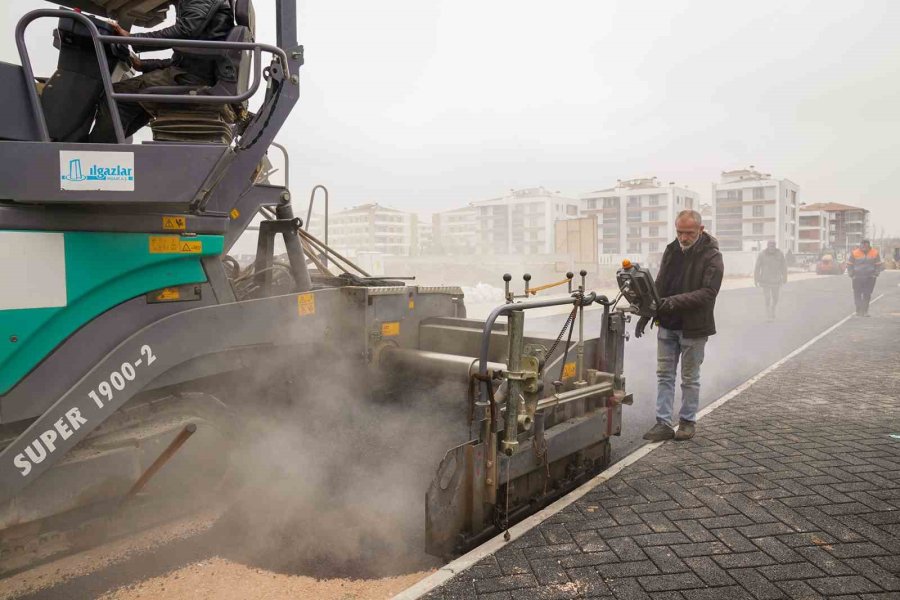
{"points": [[154, 350], [100, 271], [18, 121], [65, 365], [36, 172], [32, 217]]}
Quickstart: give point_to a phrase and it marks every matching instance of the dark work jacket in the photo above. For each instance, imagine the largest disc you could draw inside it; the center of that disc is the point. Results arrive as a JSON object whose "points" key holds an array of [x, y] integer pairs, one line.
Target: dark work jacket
{"points": [[194, 20], [703, 272], [771, 268]]}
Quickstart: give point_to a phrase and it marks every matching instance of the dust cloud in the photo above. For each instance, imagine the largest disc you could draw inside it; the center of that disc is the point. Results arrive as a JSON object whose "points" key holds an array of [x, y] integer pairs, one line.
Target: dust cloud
{"points": [[333, 481]]}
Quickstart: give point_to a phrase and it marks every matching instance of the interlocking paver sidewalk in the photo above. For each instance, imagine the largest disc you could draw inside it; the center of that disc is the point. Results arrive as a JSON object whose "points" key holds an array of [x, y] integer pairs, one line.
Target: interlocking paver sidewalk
{"points": [[790, 490]]}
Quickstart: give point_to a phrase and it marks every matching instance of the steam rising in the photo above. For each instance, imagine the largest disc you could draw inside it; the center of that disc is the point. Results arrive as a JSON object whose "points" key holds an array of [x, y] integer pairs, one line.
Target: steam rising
{"points": [[335, 480]]}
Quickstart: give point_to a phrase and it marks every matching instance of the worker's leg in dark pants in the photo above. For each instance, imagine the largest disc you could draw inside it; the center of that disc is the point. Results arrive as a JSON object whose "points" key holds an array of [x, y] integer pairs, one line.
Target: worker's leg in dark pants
{"points": [[867, 286], [771, 292], [858, 295], [133, 115]]}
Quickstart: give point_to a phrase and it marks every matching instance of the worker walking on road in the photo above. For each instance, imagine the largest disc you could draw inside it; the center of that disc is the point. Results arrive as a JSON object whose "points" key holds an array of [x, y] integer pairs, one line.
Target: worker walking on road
{"points": [[688, 282], [770, 274], [863, 266]]}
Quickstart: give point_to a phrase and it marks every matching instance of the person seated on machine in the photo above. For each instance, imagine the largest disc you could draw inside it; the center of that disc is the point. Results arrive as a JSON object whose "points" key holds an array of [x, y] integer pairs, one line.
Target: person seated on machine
{"points": [[195, 20]]}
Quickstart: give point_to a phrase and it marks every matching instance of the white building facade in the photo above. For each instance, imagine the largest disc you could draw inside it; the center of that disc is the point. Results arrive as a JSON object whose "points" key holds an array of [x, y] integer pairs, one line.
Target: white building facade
{"points": [[637, 216], [522, 222], [751, 208], [374, 228], [847, 225], [455, 231], [813, 231]]}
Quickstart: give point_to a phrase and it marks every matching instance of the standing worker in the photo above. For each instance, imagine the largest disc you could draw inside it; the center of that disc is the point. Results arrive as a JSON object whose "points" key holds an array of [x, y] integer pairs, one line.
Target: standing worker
{"points": [[770, 274], [688, 282], [863, 266]]}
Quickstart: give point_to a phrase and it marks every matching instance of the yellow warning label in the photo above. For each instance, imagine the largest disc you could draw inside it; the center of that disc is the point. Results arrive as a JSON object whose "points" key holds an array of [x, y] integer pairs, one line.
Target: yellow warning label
{"points": [[569, 370], [306, 304], [168, 294], [166, 244], [174, 223], [390, 329], [234, 214], [412, 304]]}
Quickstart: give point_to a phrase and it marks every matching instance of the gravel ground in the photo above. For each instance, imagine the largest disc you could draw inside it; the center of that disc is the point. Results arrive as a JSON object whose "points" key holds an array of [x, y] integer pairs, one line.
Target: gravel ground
{"points": [[56, 573], [225, 580]]}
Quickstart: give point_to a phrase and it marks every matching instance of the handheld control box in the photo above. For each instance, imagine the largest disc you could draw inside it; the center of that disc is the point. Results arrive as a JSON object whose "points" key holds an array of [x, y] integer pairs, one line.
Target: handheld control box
{"points": [[637, 286]]}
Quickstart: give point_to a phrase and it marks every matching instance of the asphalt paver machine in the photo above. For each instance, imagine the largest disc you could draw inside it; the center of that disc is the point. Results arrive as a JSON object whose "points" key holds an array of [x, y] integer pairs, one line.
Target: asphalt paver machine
{"points": [[133, 347]]}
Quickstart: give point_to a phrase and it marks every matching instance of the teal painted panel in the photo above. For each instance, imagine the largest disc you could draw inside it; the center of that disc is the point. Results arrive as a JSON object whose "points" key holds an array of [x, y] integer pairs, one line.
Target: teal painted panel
{"points": [[102, 271]]}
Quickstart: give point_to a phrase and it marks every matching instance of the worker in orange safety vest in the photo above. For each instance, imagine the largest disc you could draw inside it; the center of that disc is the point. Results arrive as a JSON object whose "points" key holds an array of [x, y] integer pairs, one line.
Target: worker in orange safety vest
{"points": [[863, 266]]}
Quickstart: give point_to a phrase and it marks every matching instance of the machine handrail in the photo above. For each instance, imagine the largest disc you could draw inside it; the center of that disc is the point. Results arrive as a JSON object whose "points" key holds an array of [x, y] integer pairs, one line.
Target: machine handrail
{"points": [[112, 96], [578, 299]]}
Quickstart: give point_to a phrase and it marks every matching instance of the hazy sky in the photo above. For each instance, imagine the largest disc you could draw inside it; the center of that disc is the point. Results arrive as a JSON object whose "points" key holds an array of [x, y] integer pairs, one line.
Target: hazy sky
{"points": [[428, 105]]}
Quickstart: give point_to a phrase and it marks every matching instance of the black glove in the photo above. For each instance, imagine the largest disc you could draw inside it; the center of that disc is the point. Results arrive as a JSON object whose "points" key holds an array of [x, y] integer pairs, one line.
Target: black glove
{"points": [[642, 325]]}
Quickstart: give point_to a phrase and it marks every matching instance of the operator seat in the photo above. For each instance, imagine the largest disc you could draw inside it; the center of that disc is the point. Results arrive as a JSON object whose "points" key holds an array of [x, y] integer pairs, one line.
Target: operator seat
{"points": [[209, 123]]}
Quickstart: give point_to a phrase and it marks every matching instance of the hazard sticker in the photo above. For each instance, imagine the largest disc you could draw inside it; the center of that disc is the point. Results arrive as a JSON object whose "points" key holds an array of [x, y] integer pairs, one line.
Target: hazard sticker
{"points": [[234, 214], [568, 370], [306, 304], [390, 329], [168, 295], [174, 245], [174, 223]]}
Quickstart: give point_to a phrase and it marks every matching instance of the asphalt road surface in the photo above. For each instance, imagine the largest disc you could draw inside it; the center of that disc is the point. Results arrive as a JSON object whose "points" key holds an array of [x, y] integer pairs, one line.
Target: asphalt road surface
{"points": [[746, 343]]}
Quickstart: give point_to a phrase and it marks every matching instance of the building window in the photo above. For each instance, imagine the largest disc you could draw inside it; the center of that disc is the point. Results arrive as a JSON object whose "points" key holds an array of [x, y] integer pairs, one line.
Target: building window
{"points": [[654, 215], [759, 193], [654, 247], [758, 211], [592, 203], [634, 232], [757, 228], [634, 201], [634, 247], [571, 210], [654, 232], [611, 202]]}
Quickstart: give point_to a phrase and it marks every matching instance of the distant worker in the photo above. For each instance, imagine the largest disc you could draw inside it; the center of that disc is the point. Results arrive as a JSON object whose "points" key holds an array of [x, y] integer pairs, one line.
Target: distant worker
{"points": [[194, 20], [770, 274], [863, 266], [690, 275]]}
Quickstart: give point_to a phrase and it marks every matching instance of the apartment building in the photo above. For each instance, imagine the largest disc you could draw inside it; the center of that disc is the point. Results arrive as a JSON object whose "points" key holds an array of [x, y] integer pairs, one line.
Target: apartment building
{"points": [[751, 208], [813, 231], [374, 228], [522, 222], [847, 225], [425, 237], [455, 231], [637, 216]]}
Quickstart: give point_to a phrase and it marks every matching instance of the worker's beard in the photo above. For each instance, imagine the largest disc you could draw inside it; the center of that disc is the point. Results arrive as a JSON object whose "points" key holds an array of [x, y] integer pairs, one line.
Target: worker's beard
{"points": [[686, 246]]}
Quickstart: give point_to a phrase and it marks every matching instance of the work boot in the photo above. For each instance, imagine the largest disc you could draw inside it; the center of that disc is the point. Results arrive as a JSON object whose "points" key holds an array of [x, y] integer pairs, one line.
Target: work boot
{"points": [[659, 433], [685, 430]]}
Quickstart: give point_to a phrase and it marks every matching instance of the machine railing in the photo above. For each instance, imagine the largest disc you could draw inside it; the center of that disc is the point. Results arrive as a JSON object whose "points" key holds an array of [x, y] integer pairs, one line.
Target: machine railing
{"points": [[112, 96]]}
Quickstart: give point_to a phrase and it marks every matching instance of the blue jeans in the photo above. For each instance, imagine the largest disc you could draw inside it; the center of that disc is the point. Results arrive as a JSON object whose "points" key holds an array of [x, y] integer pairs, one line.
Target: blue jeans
{"points": [[670, 345]]}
